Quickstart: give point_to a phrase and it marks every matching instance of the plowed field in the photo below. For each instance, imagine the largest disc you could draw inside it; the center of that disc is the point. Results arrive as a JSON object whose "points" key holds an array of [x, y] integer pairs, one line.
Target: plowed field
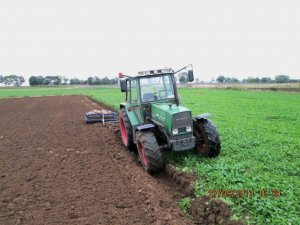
{"points": [[55, 169]]}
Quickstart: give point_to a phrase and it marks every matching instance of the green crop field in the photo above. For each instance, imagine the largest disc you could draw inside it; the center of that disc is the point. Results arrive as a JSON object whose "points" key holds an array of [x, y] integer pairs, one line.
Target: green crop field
{"points": [[260, 134]]}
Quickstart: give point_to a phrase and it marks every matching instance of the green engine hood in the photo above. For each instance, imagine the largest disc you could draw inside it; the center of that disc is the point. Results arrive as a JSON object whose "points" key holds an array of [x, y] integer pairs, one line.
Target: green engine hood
{"points": [[164, 114]]}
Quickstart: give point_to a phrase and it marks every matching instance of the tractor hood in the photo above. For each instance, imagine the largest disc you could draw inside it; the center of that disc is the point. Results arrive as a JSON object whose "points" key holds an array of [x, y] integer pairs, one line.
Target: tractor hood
{"points": [[171, 116]]}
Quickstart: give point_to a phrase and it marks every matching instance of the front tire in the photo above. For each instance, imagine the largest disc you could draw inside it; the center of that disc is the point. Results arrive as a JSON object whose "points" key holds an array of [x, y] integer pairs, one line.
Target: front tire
{"points": [[208, 142], [149, 151]]}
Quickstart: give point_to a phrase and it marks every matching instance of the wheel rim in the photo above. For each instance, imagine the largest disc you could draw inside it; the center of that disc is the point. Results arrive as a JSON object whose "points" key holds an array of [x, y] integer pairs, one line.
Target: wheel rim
{"points": [[142, 154], [123, 131]]}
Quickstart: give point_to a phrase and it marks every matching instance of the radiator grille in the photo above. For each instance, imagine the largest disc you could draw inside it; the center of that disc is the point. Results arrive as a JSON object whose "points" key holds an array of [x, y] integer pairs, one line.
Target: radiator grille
{"points": [[182, 119]]}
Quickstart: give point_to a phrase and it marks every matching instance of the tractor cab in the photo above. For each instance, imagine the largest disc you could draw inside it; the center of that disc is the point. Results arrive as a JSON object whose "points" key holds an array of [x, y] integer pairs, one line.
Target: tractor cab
{"points": [[156, 88], [152, 85]]}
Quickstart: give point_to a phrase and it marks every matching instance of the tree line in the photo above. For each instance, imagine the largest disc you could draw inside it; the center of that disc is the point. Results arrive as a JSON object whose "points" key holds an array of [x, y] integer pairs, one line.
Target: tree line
{"points": [[278, 79], [95, 80], [223, 79], [58, 80], [12, 80]]}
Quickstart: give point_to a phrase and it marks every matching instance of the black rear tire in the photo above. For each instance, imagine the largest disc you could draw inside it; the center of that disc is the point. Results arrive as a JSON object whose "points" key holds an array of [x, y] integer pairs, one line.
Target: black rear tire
{"points": [[208, 142], [126, 130], [149, 151]]}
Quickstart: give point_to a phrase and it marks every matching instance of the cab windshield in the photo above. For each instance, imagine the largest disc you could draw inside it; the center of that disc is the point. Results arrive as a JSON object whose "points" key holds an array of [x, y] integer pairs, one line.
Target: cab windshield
{"points": [[156, 88]]}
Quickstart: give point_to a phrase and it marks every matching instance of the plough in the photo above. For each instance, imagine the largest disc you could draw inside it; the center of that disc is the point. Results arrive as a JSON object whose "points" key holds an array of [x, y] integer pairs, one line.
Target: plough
{"points": [[103, 116]]}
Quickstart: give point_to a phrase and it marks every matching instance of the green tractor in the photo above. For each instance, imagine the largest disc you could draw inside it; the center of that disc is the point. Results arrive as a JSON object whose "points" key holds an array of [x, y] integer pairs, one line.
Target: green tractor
{"points": [[152, 118]]}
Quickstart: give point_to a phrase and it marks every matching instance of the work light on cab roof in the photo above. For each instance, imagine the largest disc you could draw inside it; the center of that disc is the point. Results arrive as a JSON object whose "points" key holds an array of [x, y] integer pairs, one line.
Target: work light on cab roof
{"points": [[152, 118], [156, 72]]}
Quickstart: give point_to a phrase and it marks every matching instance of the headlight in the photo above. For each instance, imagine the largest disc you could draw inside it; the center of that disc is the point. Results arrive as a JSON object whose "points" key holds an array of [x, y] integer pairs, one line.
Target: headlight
{"points": [[175, 131], [188, 129]]}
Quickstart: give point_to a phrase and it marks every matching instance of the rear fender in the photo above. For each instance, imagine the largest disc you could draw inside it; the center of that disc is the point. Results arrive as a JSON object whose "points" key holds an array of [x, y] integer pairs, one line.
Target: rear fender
{"points": [[131, 117]]}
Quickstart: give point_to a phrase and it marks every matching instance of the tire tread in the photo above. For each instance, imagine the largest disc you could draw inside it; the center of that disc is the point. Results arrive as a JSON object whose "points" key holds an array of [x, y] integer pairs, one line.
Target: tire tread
{"points": [[152, 151]]}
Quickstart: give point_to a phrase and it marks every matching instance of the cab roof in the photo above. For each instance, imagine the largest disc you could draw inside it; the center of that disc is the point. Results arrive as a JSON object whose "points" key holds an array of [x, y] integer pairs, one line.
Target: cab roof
{"points": [[156, 72]]}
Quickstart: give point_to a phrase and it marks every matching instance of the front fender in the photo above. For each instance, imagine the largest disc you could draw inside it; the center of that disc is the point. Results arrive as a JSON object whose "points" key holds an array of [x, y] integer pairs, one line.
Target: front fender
{"points": [[122, 105], [203, 116], [145, 126]]}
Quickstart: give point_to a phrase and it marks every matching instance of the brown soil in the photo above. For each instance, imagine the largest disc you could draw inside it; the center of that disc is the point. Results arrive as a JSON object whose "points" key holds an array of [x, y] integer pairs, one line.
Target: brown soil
{"points": [[55, 169], [206, 211]]}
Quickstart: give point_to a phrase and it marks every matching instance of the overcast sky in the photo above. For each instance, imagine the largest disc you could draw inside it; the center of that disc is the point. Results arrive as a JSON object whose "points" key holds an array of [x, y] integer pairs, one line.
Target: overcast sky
{"points": [[100, 38]]}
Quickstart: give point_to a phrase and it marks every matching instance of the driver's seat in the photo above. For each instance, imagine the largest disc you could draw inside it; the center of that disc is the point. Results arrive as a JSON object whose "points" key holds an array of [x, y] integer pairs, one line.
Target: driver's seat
{"points": [[148, 97]]}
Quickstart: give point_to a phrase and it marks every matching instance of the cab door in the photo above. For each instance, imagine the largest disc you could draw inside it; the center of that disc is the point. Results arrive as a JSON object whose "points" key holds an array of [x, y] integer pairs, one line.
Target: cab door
{"points": [[135, 100]]}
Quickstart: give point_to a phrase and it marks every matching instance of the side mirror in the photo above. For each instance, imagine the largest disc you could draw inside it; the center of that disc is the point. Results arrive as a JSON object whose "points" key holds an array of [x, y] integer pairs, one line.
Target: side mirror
{"points": [[123, 85], [190, 76]]}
